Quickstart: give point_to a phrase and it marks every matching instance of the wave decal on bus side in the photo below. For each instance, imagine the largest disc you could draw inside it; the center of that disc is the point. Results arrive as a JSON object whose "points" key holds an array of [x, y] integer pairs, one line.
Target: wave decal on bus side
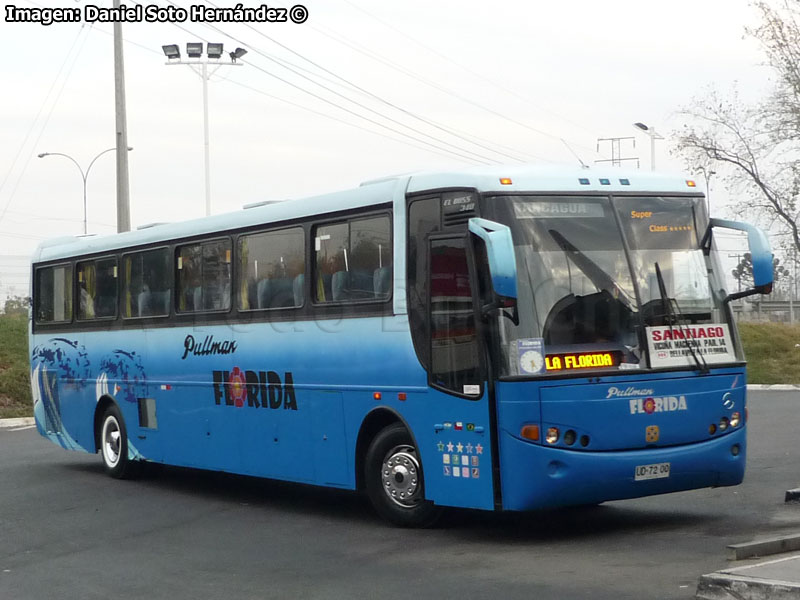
{"points": [[261, 389], [125, 370], [59, 360]]}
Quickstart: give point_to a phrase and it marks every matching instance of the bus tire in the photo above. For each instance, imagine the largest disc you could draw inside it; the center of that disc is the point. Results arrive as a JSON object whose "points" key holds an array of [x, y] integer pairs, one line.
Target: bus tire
{"points": [[394, 480], [113, 442]]}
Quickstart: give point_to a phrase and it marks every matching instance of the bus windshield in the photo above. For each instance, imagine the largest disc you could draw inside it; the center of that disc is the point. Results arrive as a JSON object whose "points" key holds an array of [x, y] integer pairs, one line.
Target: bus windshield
{"points": [[584, 295]]}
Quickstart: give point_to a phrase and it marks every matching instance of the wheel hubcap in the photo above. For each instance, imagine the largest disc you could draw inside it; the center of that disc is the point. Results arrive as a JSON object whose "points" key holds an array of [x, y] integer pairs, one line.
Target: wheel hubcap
{"points": [[400, 476], [112, 440]]}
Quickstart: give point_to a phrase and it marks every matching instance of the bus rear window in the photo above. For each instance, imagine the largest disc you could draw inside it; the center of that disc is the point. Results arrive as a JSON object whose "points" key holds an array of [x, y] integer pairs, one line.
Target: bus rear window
{"points": [[54, 294]]}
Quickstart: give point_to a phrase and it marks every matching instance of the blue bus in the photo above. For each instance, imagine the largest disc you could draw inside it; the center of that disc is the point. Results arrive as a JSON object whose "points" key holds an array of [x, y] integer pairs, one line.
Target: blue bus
{"points": [[504, 338]]}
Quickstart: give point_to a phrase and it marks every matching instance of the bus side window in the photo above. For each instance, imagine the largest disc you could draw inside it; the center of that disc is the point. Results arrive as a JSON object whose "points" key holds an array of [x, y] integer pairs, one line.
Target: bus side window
{"points": [[97, 289], [204, 276], [353, 261], [146, 284], [272, 267], [455, 357], [54, 294]]}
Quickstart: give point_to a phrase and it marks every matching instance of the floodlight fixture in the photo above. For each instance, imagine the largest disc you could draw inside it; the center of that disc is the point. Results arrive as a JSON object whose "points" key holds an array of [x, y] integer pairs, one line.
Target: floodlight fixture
{"points": [[641, 126], [171, 51], [238, 53], [194, 49], [214, 50]]}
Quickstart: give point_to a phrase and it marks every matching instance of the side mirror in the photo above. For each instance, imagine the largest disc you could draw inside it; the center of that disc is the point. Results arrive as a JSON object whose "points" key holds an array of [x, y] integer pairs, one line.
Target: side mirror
{"points": [[502, 263], [760, 252]]}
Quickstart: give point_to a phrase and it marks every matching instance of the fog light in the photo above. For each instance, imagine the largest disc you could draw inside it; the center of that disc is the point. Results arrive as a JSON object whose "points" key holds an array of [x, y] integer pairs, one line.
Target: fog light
{"points": [[712, 429], [723, 423], [569, 437], [552, 435], [736, 418], [735, 449]]}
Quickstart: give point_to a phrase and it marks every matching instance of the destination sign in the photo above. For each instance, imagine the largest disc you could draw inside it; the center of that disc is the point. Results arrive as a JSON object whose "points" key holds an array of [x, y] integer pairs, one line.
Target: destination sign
{"points": [[550, 210], [677, 345], [573, 361]]}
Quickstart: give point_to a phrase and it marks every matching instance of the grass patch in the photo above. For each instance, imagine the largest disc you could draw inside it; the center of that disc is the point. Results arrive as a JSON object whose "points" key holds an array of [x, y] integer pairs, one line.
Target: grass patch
{"points": [[771, 353], [15, 391]]}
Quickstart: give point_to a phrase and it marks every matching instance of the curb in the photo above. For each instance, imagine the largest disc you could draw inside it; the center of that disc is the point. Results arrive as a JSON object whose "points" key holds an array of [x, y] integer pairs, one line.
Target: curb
{"points": [[776, 387], [12, 423], [720, 586], [765, 547]]}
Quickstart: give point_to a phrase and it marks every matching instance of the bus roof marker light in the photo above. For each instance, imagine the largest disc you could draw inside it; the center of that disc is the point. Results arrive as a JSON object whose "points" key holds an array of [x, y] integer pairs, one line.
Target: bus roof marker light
{"points": [[505, 181], [625, 181], [605, 182], [691, 183], [583, 181]]}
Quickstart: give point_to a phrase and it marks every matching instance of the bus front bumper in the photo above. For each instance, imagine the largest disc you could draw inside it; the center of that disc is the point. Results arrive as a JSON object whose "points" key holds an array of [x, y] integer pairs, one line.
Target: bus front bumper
{"points": [[534, 476]]}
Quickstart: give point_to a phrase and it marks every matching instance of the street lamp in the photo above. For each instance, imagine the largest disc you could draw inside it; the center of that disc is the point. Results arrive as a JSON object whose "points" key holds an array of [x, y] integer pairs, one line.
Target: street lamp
{"points": [[84, 176], [194, 52], [651, 131], [707, 174]]}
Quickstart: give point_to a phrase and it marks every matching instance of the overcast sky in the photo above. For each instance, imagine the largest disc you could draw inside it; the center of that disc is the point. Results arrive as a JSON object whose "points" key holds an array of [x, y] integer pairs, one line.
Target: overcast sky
{"points": [[511, 78]]}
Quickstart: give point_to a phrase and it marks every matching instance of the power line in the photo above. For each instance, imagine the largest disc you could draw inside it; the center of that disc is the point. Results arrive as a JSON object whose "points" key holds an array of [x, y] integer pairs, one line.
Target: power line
{"points": [[327, 116], [476, 74], [377, 57], [475, 157], [365, 91], [447, 149], [36, 119]]}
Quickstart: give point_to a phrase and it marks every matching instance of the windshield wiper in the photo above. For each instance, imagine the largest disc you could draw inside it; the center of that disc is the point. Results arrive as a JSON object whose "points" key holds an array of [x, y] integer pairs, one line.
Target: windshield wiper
{"points": [[672, 314], [596, 275]]}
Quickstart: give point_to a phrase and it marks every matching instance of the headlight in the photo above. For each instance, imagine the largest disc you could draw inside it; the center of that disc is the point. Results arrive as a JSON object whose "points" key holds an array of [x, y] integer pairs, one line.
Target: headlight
{"points": [[552, 435]]}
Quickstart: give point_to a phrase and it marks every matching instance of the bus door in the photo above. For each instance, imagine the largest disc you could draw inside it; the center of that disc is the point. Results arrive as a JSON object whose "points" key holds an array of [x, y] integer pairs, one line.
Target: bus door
{"points": [[457, 457]]}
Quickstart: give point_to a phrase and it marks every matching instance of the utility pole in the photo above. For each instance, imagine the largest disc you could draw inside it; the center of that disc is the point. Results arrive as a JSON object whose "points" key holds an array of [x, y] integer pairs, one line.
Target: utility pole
{"points": [[616, 159], [123, 187]]}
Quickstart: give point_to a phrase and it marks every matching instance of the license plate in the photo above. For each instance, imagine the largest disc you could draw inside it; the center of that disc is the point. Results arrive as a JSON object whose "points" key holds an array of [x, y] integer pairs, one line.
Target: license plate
{"points": [[654, 471]]}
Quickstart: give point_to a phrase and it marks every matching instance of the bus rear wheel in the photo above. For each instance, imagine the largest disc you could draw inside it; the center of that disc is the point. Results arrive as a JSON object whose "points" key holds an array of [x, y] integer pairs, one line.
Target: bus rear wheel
{"points": [[113, 441], [394, 480]]}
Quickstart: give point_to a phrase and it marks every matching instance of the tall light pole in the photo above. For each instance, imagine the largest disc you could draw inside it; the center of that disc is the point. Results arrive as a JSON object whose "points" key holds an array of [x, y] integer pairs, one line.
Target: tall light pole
{"points": [[84, 177], [121, 132], [651, 131], [194, 52]]}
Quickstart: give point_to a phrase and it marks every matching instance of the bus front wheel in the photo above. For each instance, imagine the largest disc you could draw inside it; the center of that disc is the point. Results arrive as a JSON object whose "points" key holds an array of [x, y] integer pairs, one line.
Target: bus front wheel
{"points": [[114, 445], [394, 480]]}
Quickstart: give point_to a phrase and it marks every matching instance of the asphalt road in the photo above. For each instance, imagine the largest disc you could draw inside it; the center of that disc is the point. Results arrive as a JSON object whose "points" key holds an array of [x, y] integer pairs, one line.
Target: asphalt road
{"points": [[68, 531]]}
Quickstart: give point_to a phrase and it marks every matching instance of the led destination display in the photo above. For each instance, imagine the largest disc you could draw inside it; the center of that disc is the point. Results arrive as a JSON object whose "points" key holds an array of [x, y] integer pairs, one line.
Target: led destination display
{"points": [[571, 361]]}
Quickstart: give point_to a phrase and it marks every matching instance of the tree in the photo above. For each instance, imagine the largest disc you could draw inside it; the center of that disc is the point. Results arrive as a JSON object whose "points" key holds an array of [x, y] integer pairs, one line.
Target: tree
{"points": [[756, 149], [743, 272], [16, 305]]}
